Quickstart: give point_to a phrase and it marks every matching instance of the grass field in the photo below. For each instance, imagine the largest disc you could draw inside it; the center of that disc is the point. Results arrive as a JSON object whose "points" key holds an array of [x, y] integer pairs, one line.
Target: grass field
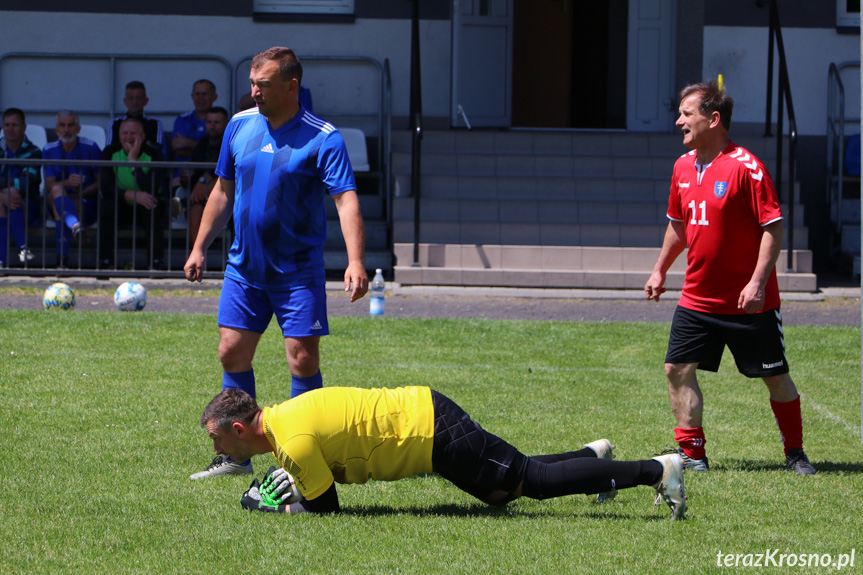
{"points": [[100, 433]]}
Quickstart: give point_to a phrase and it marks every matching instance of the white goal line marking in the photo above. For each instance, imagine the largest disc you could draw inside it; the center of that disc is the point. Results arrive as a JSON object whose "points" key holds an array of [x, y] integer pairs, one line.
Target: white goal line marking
{"points": [[827, 413]]}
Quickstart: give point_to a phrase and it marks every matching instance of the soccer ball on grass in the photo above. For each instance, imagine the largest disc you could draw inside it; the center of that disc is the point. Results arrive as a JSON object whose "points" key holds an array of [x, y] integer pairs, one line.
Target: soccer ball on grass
{"points": [[59, 296], [130, 296]]}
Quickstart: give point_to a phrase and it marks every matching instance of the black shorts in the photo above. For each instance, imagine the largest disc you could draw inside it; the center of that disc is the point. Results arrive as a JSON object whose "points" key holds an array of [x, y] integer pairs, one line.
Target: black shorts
{"points": [[756, 341], [473, 459]]}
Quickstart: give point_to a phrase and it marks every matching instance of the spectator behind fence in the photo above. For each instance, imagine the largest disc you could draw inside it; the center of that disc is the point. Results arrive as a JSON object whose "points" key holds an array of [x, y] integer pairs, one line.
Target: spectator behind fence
{"points": [[135, 100], [190, 127], [17, 183], [72, 190], [132, 193], [207, 150]]}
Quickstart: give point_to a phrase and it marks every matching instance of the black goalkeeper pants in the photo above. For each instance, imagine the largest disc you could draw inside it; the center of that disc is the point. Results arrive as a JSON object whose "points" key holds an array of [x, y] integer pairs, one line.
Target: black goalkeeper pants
{"points": [[482, 463]]}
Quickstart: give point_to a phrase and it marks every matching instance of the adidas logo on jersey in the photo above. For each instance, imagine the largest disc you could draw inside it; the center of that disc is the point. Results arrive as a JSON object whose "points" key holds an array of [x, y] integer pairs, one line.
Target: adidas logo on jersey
{"points": [[317, 325], [268, 148]]}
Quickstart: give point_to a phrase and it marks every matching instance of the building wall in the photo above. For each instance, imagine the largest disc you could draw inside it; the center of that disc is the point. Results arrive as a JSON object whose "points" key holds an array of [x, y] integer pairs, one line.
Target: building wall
{"points": [[739, 53], [232, 37], [733, 42]]}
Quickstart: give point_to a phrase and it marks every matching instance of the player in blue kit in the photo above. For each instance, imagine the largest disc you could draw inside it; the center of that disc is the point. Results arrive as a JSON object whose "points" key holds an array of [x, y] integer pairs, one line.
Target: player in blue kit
{"points": [[277, 164]]}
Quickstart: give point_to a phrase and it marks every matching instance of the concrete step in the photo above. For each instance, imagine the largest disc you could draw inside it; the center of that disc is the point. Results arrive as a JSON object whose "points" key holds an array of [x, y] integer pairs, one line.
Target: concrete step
{"points": [[547, 234], [559, 267]]}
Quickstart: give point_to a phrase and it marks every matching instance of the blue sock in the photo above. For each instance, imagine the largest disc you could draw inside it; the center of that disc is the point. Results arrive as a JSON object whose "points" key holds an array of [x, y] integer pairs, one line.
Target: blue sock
{"points": [[4, 231], [300, 385], [244, 380], [17, 222], [66, 209]]}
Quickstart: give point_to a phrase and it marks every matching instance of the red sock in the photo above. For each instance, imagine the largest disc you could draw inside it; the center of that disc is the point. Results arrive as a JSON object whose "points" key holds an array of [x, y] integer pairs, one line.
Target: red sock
{"points": [[691, 439], [790, 423]]}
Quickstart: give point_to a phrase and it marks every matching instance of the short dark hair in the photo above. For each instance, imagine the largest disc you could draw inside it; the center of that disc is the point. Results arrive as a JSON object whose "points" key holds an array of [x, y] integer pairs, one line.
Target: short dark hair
{"points": [[289, 64], [136, 85], [134, 120], [713, 99], [232, 404], [219, 110], [205, 81], [15, 112]]}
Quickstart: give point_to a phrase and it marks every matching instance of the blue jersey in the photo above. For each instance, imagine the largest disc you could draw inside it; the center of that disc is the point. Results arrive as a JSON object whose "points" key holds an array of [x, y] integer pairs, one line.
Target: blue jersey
{"points": [[85, 149], [281, 178], [25, 178], [190, 126]]}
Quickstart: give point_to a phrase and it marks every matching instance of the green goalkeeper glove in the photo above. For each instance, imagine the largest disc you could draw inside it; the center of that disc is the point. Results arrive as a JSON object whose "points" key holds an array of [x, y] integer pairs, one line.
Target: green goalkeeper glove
{"points": [[279, 488], [252, 500]]}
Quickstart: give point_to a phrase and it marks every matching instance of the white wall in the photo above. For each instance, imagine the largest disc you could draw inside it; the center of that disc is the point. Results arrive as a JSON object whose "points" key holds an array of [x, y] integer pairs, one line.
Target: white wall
{"points": [[40, 84], [740, 55]]}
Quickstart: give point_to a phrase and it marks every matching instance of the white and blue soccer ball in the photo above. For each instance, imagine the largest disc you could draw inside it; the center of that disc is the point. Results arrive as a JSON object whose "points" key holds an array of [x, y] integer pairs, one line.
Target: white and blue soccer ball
{"points": [[59, 296], [130, 296]]}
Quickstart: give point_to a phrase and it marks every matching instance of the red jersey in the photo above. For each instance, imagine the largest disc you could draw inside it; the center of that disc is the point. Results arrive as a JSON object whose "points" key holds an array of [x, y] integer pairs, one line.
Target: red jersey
{"points": [[724, 207]]}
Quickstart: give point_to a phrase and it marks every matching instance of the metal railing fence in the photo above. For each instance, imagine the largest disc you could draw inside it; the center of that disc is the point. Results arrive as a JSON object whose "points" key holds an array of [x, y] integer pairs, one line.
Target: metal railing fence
{"points": [[134, 244]]}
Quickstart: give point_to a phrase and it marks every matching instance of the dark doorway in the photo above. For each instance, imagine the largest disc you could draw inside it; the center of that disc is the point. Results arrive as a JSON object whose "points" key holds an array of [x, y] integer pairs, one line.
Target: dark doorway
{"points": [[569, 64]]}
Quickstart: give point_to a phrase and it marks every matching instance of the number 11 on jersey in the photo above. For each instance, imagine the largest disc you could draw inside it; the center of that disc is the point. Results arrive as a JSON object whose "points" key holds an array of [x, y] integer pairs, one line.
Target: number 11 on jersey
{"points": [[703, 207]]}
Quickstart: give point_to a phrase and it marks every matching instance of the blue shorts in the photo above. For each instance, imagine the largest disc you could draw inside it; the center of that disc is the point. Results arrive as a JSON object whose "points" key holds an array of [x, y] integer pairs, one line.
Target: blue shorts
{"points": [[301, 312]]}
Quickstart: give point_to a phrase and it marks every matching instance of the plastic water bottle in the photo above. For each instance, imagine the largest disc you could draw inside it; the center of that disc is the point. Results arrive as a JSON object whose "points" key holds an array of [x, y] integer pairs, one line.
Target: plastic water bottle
{"points": [[376, 306]]}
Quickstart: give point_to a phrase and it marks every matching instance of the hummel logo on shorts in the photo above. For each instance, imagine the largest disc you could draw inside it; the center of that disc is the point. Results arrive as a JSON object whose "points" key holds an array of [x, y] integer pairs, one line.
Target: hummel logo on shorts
{"points": [[267, 148], [317, 325]]}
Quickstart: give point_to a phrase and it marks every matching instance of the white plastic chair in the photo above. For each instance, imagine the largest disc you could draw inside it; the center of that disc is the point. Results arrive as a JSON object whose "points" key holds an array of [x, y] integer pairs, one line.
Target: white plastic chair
{"points": [[95, 133], [355, 142], [37, 134]]}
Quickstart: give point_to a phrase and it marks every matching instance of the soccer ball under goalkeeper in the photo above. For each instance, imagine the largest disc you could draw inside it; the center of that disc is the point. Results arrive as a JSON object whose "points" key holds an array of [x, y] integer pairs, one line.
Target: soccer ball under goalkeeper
{"points": [[130, 296], [59, 296]]}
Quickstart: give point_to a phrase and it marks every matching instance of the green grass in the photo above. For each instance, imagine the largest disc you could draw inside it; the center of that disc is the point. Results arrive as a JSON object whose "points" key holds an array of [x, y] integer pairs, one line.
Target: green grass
{"points": [[99, 433]]}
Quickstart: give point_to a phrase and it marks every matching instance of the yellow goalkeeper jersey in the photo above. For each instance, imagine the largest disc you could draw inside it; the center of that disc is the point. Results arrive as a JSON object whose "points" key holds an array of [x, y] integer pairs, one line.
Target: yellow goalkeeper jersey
{"points": [[350, 435]]}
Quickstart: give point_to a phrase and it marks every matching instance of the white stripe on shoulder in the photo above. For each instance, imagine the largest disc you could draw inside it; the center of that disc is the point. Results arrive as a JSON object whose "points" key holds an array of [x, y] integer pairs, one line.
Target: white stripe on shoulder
{"points": [[51, 145], [250, 112], [317, 123], [84, 140]]}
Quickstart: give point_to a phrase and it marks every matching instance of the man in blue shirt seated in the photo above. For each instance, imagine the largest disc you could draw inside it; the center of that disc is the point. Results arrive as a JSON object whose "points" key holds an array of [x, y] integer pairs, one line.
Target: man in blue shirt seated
{"points": [[17, 183], [72, 190]]}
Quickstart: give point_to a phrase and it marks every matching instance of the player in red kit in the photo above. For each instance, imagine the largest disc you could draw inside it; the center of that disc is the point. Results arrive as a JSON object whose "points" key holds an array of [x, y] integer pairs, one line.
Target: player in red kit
{"points": [[723, 206]]}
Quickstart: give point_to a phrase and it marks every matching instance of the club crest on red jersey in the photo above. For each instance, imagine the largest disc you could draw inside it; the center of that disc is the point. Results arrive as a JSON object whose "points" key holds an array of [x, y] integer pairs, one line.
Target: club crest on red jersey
{"points": [[720, 189]]}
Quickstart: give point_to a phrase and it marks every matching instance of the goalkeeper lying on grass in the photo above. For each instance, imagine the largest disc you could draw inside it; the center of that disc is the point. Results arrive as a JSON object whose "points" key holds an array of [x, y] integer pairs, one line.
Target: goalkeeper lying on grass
{"points": [[348, 435]]}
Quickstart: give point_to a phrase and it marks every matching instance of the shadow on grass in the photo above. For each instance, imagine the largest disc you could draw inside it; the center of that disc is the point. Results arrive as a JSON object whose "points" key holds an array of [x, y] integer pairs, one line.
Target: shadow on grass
{"points": [[479, 510], [821, 466]]}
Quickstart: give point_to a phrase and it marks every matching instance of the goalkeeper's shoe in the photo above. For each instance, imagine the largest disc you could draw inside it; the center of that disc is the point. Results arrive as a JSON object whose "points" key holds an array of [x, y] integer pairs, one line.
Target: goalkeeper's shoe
{"points": [[223, 465], [670, 486], [604, 450], [688, 463]]}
